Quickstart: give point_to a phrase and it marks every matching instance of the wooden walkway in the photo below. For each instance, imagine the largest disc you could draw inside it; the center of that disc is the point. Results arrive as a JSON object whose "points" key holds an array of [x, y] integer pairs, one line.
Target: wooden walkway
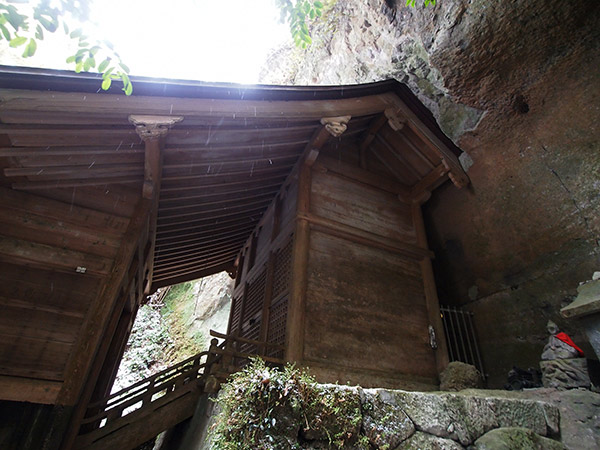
{"points": [[136, 414]]}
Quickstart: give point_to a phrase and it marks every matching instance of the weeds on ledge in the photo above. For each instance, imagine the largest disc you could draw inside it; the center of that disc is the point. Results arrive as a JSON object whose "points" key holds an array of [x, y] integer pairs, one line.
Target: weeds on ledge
{"points": [[263, 408]]}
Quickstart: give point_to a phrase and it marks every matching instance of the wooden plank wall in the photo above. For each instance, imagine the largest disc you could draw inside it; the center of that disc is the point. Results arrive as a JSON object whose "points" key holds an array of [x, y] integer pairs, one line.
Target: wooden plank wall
{"points": [[44, 299], [365, 313]]}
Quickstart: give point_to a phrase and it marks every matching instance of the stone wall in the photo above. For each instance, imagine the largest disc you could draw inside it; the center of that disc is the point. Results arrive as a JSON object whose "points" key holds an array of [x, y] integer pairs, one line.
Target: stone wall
{"points": [[398, 420], [516, 86]]}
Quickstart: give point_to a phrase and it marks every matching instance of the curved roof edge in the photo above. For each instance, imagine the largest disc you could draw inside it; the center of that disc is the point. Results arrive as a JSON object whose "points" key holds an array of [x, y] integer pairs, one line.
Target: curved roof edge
{"points": [[12, 77]]}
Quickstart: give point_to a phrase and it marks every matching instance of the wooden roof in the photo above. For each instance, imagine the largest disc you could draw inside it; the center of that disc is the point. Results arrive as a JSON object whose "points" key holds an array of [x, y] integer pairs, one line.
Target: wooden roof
{"points": [[73, 168], [223, 163]]}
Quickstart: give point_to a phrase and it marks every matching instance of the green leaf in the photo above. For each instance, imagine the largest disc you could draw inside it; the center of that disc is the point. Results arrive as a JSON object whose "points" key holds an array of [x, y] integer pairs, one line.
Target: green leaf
{"points": [[30, 49], [17, 41], [124, 67], [66, 27], [71, 59], [88, 64], [106, 84], [125, 78], [103, 65], [39, 32], [79, 66], [49, 24], [75, 34], [5, 32], [128, 89], [108, 72]]}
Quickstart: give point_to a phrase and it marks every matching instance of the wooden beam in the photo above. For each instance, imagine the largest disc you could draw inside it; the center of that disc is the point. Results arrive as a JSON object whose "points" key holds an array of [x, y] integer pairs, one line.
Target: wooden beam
{"points": [[421, 191], [192, 211], [220, 219], [394, 165], [178, 233], [225, 199], [366, 238], [196, 196], [456, 173], [61, 211], [15, 100], [431, 298], [100, 181], [36, 255], [368, 137], [20, 389], [93, 328], [69, 151], [169, 281], [346, 170]]}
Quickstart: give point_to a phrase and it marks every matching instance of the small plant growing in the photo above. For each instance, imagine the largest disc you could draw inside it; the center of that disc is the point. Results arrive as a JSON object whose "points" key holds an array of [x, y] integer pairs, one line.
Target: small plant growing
{"points": [[268, 408]]}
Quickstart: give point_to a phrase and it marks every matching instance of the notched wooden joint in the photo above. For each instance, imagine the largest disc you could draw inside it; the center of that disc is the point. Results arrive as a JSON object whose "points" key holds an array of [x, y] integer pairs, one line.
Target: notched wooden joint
{"points": [[395, 121], [336, 125], [153, 127]]}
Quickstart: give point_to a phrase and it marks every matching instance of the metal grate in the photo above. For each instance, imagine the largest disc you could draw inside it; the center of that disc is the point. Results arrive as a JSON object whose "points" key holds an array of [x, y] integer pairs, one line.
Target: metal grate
{"points": [[461, 337]]}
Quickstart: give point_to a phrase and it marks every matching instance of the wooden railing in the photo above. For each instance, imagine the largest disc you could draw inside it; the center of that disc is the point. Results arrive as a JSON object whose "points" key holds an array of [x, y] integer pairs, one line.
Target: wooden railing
{"points": [[131, 414], [143, 392], [231, 359]]}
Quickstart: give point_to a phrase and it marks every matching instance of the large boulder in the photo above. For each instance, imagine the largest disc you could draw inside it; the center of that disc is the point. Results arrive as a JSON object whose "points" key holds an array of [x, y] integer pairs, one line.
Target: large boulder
{"points": [[515, 438], [466, 417], [384, 422], [423, 441], [458, 376]]}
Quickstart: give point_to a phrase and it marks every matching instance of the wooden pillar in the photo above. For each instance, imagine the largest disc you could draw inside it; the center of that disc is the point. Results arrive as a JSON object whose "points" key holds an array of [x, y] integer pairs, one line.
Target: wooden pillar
{"points": [[431, 298], [152, 130], [297, 303]]}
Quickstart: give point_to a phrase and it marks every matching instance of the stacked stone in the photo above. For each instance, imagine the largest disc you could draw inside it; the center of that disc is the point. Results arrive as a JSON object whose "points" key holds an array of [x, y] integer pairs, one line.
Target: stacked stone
{"points": [[471, 419], [561, 365]]}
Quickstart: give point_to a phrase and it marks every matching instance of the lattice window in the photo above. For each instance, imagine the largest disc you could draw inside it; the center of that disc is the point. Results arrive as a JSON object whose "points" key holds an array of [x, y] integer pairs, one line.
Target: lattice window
{"points": [[255, 298], [277, 326], [235, 315], [283, 269]]}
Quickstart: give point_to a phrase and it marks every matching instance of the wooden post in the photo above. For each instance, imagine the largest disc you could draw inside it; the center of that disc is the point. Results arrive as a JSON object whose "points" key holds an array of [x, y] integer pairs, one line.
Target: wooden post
{"points": [[431, 298], [152, 130], [297, 303]]}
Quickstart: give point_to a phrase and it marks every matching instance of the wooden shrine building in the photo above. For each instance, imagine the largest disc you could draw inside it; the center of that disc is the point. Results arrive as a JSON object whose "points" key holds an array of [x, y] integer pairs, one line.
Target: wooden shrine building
{"points": [[309, 196]]}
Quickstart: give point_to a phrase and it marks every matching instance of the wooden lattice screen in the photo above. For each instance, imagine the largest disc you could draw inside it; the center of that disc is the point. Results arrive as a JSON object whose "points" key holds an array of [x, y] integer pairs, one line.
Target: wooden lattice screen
{"points": [[253, 311], [279, 304]]}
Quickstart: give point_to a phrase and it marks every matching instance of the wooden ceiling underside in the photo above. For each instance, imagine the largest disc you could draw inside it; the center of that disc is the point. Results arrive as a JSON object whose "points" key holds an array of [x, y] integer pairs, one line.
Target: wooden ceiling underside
{"points": [[222, 164]]}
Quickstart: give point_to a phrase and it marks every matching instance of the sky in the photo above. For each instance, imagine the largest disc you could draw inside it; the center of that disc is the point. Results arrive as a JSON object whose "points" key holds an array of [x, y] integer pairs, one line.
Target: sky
{"points": [[206, 40]]}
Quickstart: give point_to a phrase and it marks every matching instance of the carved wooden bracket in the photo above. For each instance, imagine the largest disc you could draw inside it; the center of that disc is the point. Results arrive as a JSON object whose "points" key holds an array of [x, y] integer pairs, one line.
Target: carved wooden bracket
{"points": [[336, 125], [395, 122], [153, 127]]}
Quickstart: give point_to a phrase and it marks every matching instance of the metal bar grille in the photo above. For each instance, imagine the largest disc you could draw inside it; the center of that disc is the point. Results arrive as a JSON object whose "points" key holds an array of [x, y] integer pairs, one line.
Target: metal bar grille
{"points": [[461, 337]]}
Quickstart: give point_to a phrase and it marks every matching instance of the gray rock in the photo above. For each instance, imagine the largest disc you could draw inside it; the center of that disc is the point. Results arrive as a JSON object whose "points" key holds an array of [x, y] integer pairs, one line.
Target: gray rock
{"points": [[458, 376], [565, 373], [384, 422], [466, 417], [424, 441], [515, 438]]}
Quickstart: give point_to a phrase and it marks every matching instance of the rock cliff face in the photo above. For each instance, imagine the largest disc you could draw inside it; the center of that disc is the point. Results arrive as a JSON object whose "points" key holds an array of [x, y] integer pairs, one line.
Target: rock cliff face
{"points": [[516, 85]]}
